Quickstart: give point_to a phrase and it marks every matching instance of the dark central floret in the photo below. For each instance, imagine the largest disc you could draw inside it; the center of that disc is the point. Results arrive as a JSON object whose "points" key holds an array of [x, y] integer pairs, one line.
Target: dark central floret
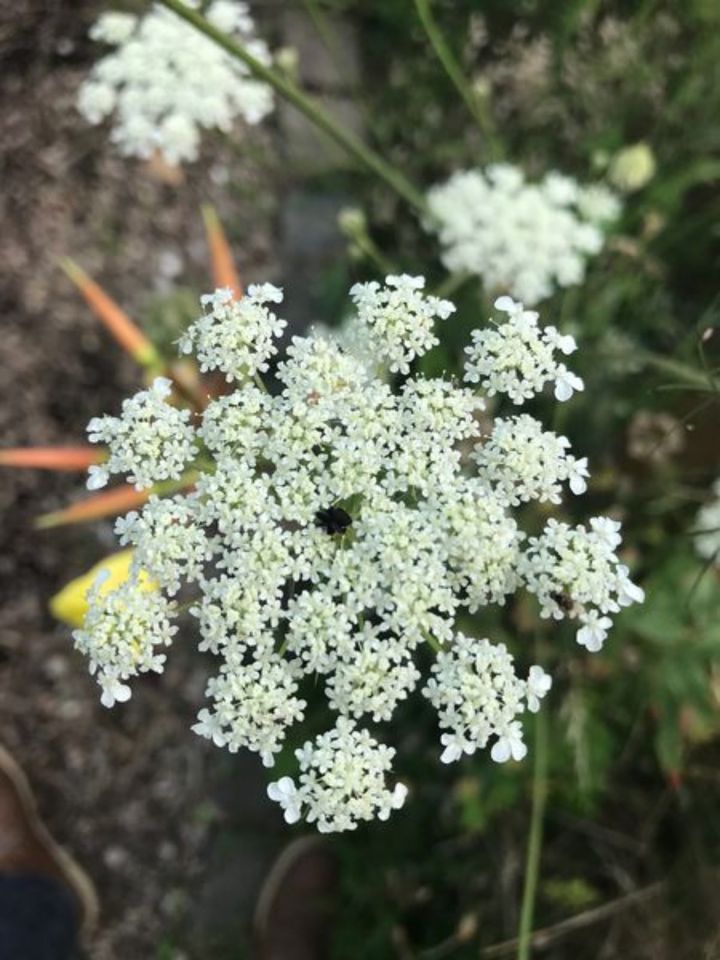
{"points": [[333, 520]]}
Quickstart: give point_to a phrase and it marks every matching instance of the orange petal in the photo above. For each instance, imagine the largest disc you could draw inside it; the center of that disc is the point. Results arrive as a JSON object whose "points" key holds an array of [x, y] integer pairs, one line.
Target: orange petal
{"points": [[223, 268], [111, 503], [52, 458], [125, 331]]}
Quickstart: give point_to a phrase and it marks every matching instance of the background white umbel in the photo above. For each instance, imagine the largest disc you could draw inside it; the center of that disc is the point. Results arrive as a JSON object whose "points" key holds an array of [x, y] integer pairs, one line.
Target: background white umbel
{"points": [[522, 238], [165, 82]]}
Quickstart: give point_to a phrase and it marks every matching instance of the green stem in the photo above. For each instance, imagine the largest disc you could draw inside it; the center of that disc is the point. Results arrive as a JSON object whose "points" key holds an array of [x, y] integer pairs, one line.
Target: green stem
{"points": [[451, 284], [534, 847], [454, 71], [260, 383], [325, 33], [432, 641], [352, 144], [369, 248], [678, 369]]}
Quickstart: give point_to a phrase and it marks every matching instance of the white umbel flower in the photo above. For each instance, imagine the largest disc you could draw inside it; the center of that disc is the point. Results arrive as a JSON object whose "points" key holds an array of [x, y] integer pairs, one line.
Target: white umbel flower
{"points": [[478, 696], [168, 545], [122, 633], [522, 238], [150, 441], [523, 462], [574, 572], [253, 704], [398, 318], [338, 530], [342, 781], [517, 357], [166, 82], [236, 337]]}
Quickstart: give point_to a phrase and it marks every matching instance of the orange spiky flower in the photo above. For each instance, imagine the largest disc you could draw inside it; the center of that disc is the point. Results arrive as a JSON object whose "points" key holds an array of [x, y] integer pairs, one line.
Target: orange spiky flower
{"points": [[223, 267], [52, 458], [131, 338], [110, 503], [126, 332]]}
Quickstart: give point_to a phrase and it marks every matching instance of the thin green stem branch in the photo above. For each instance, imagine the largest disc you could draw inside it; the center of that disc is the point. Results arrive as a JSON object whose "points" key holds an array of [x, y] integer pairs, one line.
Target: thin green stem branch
{"points": [[453, 69], [534, 847], [326, 34], [432, 641], [285, 87], [370, 249], [451, 284], [683, 371]]}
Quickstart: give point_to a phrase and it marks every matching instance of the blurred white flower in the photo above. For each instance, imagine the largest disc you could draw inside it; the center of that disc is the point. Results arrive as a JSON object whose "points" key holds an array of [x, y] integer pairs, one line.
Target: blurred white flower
{"points": [[509, 745], [284, 792], [166, 82], [707, 527], [523, 238]]}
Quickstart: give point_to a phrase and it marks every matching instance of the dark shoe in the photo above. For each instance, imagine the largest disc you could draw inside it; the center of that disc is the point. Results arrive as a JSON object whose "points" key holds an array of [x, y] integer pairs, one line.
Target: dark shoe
{"points": [[28, 850], [295, 908]]}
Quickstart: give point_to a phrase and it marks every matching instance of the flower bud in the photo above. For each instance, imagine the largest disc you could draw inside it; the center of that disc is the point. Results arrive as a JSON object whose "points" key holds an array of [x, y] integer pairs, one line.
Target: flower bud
{"points": [[352, 221], [632, 168]]}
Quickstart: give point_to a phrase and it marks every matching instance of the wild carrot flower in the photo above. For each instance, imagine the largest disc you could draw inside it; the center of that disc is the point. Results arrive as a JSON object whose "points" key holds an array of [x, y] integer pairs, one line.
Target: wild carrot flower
{"points": [[521, 238], [337, 525], [165, 82]]}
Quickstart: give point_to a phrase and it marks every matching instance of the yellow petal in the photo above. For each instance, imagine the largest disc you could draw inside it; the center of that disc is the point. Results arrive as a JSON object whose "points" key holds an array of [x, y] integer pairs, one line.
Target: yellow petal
{"points": [[70, 604]]}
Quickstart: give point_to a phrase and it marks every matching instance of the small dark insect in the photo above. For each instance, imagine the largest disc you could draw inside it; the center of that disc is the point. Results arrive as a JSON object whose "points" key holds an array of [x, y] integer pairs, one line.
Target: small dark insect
{"points": [[565, 602], [333, 520]]}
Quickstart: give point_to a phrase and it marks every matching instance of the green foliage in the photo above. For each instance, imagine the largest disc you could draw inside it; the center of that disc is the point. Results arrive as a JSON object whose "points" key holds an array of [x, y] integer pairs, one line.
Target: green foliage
{"points": [[168, 316], [568, 84], [573, 895], [678, 630]]}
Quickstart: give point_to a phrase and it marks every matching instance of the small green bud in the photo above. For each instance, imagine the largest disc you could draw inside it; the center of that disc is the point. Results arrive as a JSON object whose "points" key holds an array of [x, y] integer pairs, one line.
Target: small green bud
{"points": [[632, 168]]}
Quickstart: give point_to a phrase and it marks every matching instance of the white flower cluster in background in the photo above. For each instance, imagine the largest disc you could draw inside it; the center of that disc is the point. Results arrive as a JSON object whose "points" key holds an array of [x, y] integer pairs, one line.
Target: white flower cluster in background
{"points": [[707, 528], [166, 82], [521, 238], [337, 525]]}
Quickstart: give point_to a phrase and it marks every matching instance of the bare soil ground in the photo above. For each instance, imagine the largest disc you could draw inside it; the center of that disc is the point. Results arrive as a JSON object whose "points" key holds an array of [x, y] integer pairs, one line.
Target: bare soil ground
{"points": [[122, 789]]}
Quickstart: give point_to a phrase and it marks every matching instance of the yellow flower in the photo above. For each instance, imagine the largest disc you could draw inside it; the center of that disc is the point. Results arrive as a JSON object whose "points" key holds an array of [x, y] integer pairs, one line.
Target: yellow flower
{"points": [[70, 604]]}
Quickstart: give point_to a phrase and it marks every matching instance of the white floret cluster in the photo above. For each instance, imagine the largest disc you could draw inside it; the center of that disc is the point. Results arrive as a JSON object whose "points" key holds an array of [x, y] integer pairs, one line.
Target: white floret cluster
{"points": [[342, 781], [518, 359], [707, 528], [337, 529], [236, 337], [523, 462], [151, 441], [574, 572], [398, 318], [121, 632], [166, 82], [521, 238]]}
